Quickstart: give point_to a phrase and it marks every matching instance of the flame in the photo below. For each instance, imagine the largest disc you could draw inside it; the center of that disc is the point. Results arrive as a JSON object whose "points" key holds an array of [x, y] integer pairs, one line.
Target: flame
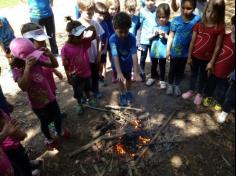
{"points": [[120, 149], [136, 123], [144, 140]]}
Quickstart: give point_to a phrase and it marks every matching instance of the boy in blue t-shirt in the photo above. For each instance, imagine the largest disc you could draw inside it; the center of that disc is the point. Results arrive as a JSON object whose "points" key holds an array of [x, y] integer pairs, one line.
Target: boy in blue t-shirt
{"points": [[6, 36], [124, 54]]}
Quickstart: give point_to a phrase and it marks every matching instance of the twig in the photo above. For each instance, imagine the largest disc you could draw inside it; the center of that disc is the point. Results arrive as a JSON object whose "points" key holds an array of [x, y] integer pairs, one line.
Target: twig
{"points": [[226, 161], [155, 137], [111, 165], [165, 142], [90, 144], [82, 169], [97, 170], [96, 108], [123, 107]]}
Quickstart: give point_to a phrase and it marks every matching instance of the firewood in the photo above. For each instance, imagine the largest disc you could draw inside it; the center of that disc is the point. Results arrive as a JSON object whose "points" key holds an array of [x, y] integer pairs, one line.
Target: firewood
{"points": [[155, 137], [123, 107], [82, 169]]}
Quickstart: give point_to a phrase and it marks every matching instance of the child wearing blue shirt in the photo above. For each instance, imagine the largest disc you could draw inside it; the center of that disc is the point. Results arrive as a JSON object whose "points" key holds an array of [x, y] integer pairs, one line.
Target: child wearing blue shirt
{"points": [[148, 21], [158, 46], [124, 54], [178, 44], [130, 9], [6, 36]]}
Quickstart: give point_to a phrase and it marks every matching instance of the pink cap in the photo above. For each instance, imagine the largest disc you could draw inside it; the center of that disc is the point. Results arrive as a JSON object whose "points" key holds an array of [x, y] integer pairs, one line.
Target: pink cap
{"points": [[23, 48]]}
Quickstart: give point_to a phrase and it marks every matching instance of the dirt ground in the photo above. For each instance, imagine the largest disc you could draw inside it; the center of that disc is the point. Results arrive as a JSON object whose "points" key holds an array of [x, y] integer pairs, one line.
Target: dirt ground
{"points": [[205, 148]]}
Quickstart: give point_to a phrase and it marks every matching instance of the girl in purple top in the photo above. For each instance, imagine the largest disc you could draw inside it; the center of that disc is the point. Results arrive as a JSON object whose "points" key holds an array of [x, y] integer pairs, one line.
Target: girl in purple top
{"points": [[27, 72]]}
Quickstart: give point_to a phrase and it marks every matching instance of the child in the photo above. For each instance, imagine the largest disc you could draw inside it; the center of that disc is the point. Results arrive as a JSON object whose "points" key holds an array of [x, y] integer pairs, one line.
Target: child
{"points": [[6, 36], [229, 100], [130, 9], [113, 8], [87, 12], [205, 46], [224, 65], [100, 15], [158, 47], [124, 53], [12, 147], [76, 60], [148, 21], [178, 44], [36, 34], [27, 72]]}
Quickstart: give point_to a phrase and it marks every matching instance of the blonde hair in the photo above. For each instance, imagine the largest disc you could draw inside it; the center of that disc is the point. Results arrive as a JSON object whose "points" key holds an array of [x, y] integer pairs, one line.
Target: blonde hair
{"points": [[110, 3], [130, 4], [86, 4]]}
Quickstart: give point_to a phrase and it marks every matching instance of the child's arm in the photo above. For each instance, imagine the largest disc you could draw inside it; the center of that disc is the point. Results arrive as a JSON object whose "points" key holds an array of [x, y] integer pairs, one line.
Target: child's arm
{"points": [[136, 71], [53, 61], [169, 44], [210, 65], [66, 70], [24, 81], [120, 76], [194, 36], [58, 74]]}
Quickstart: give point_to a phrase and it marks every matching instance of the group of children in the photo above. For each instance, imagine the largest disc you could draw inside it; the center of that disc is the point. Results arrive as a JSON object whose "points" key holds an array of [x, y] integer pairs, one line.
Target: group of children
{"points": [[102, 30]]}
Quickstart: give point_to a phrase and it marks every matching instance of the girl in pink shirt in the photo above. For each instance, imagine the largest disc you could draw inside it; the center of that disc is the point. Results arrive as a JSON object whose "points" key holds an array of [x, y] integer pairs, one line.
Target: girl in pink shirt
{"points": [[28, 73], [76, 59], [205, 47]]}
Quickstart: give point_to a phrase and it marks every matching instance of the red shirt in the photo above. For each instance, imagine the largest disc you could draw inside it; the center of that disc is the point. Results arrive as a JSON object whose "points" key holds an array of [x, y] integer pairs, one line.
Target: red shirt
{"points": [[225, 63], [206, 40]]}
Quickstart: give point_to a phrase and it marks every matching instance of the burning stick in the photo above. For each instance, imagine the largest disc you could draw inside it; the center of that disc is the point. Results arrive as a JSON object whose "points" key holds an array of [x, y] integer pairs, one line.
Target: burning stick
{"points": [[122, 107], [155, 137]]}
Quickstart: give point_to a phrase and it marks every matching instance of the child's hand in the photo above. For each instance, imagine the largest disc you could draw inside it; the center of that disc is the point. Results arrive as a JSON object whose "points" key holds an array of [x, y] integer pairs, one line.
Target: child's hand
{"points": [[189, 61], [167, 56], [137, 77], [210, 68], [30, 62], [9, 128], [120, 77], [47, 52], [162, 34], [140, 48]]}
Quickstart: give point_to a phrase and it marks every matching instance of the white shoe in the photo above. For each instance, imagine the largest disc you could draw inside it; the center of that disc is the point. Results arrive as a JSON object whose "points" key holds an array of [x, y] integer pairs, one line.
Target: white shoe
{"points": [[170, 89], [177, 91], [150, 82], [36, 172], [222, 117], [162, 84]]}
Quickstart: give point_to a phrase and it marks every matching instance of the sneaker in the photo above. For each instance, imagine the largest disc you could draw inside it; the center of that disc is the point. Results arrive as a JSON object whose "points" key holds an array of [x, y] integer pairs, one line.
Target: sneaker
{"points": [[188, 95], [198, 99], [177, 91], [162, 84], [218, 107], [79, 109], [150, 82], [51, 144], [36, 172], [143, 77], [222, 117], [123, 100], [91, 102], [97, 95], [170, 89], [65, 134], [129, 97], [208, 101]]}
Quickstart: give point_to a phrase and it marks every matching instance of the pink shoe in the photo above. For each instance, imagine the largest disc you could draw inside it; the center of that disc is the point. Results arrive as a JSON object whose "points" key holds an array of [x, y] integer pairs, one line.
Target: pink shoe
{"points": [[188, 95], [198, 99]]}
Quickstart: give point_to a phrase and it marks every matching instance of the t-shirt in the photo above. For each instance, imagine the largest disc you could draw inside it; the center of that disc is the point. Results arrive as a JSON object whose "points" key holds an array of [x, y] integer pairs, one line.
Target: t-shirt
{"points": [[6, 33], [158, 47], [110, 25], [225, 63], [39, 91], [39, 9], [123, 49], [93, 52], [105, 36], [206, 40], [135, 24], [6, 168], [76, 59], [48, 72], [148, 21], [182, 35], [233, 75]]}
